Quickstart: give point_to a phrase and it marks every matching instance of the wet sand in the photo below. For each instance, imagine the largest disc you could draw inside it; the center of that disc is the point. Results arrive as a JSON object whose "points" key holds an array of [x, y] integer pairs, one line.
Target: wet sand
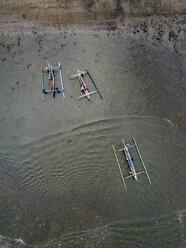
{"points": [[59, 181], [145, 57], [63, 12]]}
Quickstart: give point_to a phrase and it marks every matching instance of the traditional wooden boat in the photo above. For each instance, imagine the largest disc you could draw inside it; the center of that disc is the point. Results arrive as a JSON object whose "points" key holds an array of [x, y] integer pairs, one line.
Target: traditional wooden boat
{"points": [[125, 149], [53, 89], [129, 160], [83, 87]]}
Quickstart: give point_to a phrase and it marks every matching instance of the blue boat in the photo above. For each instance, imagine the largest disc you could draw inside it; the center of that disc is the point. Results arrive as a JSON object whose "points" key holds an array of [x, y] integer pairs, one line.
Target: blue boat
{"points": [[53, 89]]}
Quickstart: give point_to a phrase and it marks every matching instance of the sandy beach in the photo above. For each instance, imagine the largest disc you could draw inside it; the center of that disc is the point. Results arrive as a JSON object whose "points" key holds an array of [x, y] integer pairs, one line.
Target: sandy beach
{"points": [[59, 181]]}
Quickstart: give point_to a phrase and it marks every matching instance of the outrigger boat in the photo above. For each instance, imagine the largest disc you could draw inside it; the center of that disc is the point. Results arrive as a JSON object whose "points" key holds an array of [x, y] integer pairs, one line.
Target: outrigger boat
{"points": [[125, 149], [53, 89], [86, 94], [129, 160]]}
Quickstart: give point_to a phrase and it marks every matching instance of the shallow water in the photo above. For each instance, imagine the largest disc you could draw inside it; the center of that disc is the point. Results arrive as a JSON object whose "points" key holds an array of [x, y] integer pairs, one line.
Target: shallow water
{"points": [[60, 184]]}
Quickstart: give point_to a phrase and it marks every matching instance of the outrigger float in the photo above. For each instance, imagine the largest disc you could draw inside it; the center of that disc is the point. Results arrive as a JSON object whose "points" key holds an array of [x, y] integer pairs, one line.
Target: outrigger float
{"points": [[53, 89], [125, 149], [80, 76]]}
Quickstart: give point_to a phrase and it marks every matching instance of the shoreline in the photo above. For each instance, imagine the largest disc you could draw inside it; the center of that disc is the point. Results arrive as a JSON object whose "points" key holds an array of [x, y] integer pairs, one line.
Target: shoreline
{"points": [[27, 15], [138, 66], [13, 23], [131, 43]]}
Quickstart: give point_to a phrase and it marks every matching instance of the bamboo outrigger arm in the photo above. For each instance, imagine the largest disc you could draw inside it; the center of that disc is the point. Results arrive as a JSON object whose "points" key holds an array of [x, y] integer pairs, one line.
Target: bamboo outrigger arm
{"points": [[61, 79], [75, 93], [122, 149], [42, 76], [125, 186], [137, 149], [83, 96], [138, 173], [93, 83]]}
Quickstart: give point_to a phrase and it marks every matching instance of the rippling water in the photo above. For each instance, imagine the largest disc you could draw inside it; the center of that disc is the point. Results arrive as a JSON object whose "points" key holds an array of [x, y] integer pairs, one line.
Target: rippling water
{"points": [[59, 181], [67, 186]]}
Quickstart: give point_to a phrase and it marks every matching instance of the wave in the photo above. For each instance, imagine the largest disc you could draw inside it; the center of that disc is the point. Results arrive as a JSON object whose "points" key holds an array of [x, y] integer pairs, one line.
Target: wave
{"points": [[126, 233], [6, 242]]}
